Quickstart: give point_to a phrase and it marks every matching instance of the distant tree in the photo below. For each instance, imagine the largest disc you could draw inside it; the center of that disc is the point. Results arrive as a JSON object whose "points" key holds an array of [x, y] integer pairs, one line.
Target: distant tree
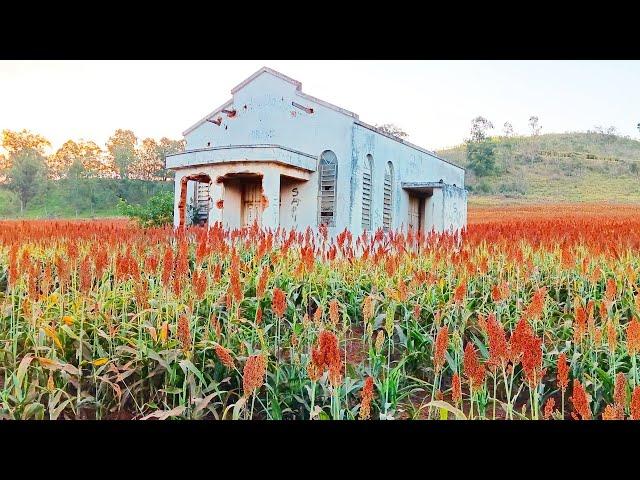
{"points": [[508, 129], [150, 164], [86, 153], [480, 126], [480, 148], [122, 151], [611, 131], [392, 129], [15, 142], [27, 174], [76, 171], [638, 126], [168, 147], [534, 123]]}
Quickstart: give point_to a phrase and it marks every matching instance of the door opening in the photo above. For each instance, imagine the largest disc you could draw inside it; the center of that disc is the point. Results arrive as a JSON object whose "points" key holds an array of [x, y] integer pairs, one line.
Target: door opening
{"points": [[251, 202], [202, 203], [198, 200], [416, 209]]}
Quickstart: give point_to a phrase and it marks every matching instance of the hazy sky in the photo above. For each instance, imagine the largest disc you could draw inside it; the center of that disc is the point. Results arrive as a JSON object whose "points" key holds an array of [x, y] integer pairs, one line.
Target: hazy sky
{"points": [[434, 101]]}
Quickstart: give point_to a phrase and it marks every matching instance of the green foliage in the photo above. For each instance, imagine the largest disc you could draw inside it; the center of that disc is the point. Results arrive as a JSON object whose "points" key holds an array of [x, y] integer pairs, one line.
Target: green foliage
{"points": [[513, 187], [481, 157], [27, 174], [483, 187], [156, 213]]}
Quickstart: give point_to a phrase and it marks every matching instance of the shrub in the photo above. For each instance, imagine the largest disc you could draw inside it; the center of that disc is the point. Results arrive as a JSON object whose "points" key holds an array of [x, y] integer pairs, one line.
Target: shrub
{"points": [[156, 213], [481, 157], [517, 187], [484, 187]]}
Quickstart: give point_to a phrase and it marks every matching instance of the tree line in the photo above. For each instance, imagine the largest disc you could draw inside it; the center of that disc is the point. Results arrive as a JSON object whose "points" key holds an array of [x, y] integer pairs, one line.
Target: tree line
{"points": [[25, 166]]}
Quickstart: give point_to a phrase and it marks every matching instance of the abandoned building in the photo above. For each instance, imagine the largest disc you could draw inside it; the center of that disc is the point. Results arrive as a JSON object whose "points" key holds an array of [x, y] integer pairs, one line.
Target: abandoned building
{"points": [[279, 157]]}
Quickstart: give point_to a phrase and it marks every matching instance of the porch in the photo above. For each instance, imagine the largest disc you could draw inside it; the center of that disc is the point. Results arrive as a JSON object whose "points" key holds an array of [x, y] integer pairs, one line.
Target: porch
{"points": [[239, 186]]}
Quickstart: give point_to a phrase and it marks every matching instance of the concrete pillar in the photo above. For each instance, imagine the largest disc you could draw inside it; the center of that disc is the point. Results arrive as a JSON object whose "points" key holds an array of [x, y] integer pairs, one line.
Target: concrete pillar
{"points": [[216, 192], [271, 192], [434, 211], [177, 184]]}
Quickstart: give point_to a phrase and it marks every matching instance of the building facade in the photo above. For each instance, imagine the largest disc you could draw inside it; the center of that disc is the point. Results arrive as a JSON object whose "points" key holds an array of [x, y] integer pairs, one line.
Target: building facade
{"points": [[279, 157]]}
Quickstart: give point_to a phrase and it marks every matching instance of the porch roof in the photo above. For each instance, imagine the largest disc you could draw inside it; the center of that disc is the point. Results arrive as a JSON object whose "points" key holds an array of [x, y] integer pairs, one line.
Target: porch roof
{"points": [[427, 188], [243, 153], [422, 187]]}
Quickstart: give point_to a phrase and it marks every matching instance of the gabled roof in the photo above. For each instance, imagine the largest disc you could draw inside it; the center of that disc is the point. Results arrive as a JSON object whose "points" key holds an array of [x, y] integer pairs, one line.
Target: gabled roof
{"points": [[279, 75]]}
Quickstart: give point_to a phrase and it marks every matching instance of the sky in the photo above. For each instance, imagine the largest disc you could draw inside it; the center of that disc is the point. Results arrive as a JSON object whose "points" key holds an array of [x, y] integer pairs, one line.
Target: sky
{"points": [[433, 101]]}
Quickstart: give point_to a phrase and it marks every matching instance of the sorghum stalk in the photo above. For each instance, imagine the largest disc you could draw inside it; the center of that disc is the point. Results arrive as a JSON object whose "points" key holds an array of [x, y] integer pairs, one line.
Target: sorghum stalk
{"points": [[313, 399], [495, 375]]}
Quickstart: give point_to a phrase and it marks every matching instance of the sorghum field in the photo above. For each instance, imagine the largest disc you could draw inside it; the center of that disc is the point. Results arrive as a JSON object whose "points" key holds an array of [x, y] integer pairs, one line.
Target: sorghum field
{"points": [[532, 313]]}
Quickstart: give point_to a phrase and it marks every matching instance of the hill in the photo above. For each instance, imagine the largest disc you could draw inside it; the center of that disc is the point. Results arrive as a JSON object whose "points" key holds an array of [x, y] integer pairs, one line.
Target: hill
{"points": [[557, 167]]}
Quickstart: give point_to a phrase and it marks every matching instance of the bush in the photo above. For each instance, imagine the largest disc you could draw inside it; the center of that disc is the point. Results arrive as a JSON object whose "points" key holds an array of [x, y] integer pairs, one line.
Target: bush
{"points": [[481, 157], [514, 187], [156, 213], [484, 187]]}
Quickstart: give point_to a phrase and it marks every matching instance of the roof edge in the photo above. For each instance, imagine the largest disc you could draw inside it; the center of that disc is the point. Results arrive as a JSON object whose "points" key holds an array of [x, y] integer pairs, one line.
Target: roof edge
{"points": [[408, 144], [226, 104], [254, 145], [328, 105]]}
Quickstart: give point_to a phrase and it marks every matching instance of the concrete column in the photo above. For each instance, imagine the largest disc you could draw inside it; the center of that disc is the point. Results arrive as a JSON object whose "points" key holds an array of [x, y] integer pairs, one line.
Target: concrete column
{"points": [[434, 211], [177, 184], [216, 192], [271, 192]]}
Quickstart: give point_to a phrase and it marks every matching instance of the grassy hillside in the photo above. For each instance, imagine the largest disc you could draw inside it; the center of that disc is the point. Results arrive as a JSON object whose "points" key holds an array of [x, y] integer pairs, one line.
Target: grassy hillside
{"points": [[82, 199], [556, 168]]}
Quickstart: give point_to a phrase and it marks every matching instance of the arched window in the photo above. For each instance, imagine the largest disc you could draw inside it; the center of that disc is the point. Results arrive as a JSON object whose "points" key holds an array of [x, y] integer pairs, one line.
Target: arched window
{"points": [[387, 210], [366, 193], [328, 173]]}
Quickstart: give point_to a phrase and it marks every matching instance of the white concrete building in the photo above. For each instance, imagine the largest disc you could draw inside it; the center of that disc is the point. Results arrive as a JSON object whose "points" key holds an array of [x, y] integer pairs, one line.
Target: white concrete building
{"points": [[278, 156]]}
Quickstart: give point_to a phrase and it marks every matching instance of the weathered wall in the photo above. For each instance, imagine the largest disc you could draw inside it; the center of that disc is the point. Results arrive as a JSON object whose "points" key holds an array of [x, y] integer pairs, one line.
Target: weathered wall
{"points": [[433, 218], [455, 208], [298, 203], [409, 165]]}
